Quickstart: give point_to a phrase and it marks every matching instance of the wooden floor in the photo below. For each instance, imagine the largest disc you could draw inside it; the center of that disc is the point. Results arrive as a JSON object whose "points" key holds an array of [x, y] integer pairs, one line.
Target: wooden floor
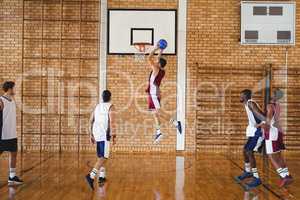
{"points": [[142, 177]]}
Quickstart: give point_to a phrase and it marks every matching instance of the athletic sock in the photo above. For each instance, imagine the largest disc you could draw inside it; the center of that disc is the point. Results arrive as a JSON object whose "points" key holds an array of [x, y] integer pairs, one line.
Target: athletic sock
{"points": [[93, 173], [247, 167], [12, 172], [283, 172], [158, 130], [255, 172], [102, 172], [286, 171]]}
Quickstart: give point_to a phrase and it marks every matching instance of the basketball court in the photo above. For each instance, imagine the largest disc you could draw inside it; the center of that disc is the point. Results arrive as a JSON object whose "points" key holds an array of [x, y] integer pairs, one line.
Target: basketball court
{"points": [[165, 83]]}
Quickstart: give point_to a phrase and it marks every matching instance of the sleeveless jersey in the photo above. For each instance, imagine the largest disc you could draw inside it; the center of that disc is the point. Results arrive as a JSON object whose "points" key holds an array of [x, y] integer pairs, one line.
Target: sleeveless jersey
{"points": [[8, 119], [154, 82], [101, 121], [273, 132], [252, 120], [276, 114]]}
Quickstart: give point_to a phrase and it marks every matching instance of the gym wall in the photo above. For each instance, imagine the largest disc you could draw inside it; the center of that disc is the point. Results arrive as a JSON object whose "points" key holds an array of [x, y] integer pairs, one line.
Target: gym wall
{"points": [[57, 60]]}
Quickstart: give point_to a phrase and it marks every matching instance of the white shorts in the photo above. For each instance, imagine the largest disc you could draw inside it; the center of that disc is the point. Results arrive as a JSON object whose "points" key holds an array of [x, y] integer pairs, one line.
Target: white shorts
{"points": [[274, 145], [153, 102]]}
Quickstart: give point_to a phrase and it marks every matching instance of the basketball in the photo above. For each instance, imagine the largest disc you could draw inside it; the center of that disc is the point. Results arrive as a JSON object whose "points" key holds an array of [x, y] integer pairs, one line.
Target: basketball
{"points": [[162, 44]]}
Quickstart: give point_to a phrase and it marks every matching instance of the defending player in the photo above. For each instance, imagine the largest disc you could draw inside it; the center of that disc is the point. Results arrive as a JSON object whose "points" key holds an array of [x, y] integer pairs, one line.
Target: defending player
{"points": [[101, 130], [274, 138], [157, 74], [254, 139], [8, 133]]}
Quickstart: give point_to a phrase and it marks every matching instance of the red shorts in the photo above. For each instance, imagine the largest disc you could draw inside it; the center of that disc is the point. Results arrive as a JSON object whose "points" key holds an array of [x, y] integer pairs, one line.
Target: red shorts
{"points": [[153, 102], [274, 146]]}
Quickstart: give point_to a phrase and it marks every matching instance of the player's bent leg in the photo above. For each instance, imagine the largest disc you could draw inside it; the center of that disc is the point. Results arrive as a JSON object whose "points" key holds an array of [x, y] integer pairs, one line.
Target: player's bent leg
{"points": [[13, 179], [173, 121], [252, 145], [247, 169], [273, 149], [282, 170], [102, 156], [158, 135]]}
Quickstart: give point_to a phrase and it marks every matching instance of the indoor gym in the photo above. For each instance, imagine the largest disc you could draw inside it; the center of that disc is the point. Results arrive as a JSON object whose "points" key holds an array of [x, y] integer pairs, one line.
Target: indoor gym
{"points": [[62, 54]]}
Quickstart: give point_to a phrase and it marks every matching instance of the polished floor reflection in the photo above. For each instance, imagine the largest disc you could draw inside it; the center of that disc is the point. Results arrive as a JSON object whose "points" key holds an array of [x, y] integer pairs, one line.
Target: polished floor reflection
{"points": [[143, 177]]}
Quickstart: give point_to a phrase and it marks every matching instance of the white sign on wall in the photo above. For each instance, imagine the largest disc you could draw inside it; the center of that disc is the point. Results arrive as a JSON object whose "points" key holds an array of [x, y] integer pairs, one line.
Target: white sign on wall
{"points": [[268, 23]]}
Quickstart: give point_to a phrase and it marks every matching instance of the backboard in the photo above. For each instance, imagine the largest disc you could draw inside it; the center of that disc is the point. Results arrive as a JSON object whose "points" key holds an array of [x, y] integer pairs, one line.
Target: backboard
{"points": [[129, 26]]}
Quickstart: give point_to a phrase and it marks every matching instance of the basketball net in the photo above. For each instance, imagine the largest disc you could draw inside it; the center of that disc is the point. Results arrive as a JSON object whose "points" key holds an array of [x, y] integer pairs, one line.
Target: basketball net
{"points": [[141, 48]]}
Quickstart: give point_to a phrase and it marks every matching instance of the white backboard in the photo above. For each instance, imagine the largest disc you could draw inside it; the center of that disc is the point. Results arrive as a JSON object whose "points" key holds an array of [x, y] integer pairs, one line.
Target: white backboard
{"points": [[127, 26], [268, 23]]}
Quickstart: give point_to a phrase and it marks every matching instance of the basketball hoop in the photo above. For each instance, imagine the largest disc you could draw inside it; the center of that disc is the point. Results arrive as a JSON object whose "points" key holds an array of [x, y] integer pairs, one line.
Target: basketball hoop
{"points": [[141, 48]]}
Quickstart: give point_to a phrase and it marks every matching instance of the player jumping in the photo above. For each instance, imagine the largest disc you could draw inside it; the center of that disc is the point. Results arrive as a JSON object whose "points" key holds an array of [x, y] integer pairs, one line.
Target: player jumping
{"points": [[157, 73]]}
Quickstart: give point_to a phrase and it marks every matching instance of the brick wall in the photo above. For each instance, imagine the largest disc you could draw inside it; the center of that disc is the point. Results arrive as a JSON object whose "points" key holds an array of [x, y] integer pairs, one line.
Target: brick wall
{"points": [[11, 44], [59, 71], [225, 68], [60, 76]]}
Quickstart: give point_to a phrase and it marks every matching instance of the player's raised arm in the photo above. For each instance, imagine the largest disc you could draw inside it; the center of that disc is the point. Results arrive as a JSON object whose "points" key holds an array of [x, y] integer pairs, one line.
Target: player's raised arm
{"points": [[152, 58]]}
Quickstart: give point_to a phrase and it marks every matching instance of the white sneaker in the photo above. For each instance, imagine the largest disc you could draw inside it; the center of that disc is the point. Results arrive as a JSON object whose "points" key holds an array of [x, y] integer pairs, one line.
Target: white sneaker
{"points": [[157, 138]]}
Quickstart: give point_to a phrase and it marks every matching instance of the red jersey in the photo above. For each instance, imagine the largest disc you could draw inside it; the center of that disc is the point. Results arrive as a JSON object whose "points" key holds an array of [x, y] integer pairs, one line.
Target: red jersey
{"points": [[154, 82]]}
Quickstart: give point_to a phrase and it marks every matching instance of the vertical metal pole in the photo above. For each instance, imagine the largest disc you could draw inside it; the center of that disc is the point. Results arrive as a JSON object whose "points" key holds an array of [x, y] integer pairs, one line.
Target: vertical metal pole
{"points": [[41, 78], [181, 72], [22, 89], [79, 96], [60, 77], [103, 45], [268, 82], [268, 75]]}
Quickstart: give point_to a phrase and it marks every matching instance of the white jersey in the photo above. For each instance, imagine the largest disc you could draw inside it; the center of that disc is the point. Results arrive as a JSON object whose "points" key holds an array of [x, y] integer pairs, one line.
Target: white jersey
{"points": [[251, 129], [101, 121], [8, 121]]}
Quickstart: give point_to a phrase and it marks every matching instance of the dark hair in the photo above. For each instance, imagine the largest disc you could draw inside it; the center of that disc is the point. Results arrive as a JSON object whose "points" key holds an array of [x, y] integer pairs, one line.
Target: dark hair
{"points": [[8, 85], [247, 93], [162, 62], [106, 95], [278, 93]]}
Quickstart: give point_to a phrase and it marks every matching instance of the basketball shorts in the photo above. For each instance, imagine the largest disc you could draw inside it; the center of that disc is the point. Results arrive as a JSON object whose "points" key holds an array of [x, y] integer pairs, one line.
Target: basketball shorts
{"points": [[274, 145], [256, 142], [10, 145], [103, 149], [153, 102]]}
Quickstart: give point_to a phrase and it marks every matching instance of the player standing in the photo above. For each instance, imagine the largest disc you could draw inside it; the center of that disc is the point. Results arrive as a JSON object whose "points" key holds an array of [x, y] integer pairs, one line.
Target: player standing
{"points": [[8, 133], [274, 138], [156, 76], [254, 139], [101, 130]]}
